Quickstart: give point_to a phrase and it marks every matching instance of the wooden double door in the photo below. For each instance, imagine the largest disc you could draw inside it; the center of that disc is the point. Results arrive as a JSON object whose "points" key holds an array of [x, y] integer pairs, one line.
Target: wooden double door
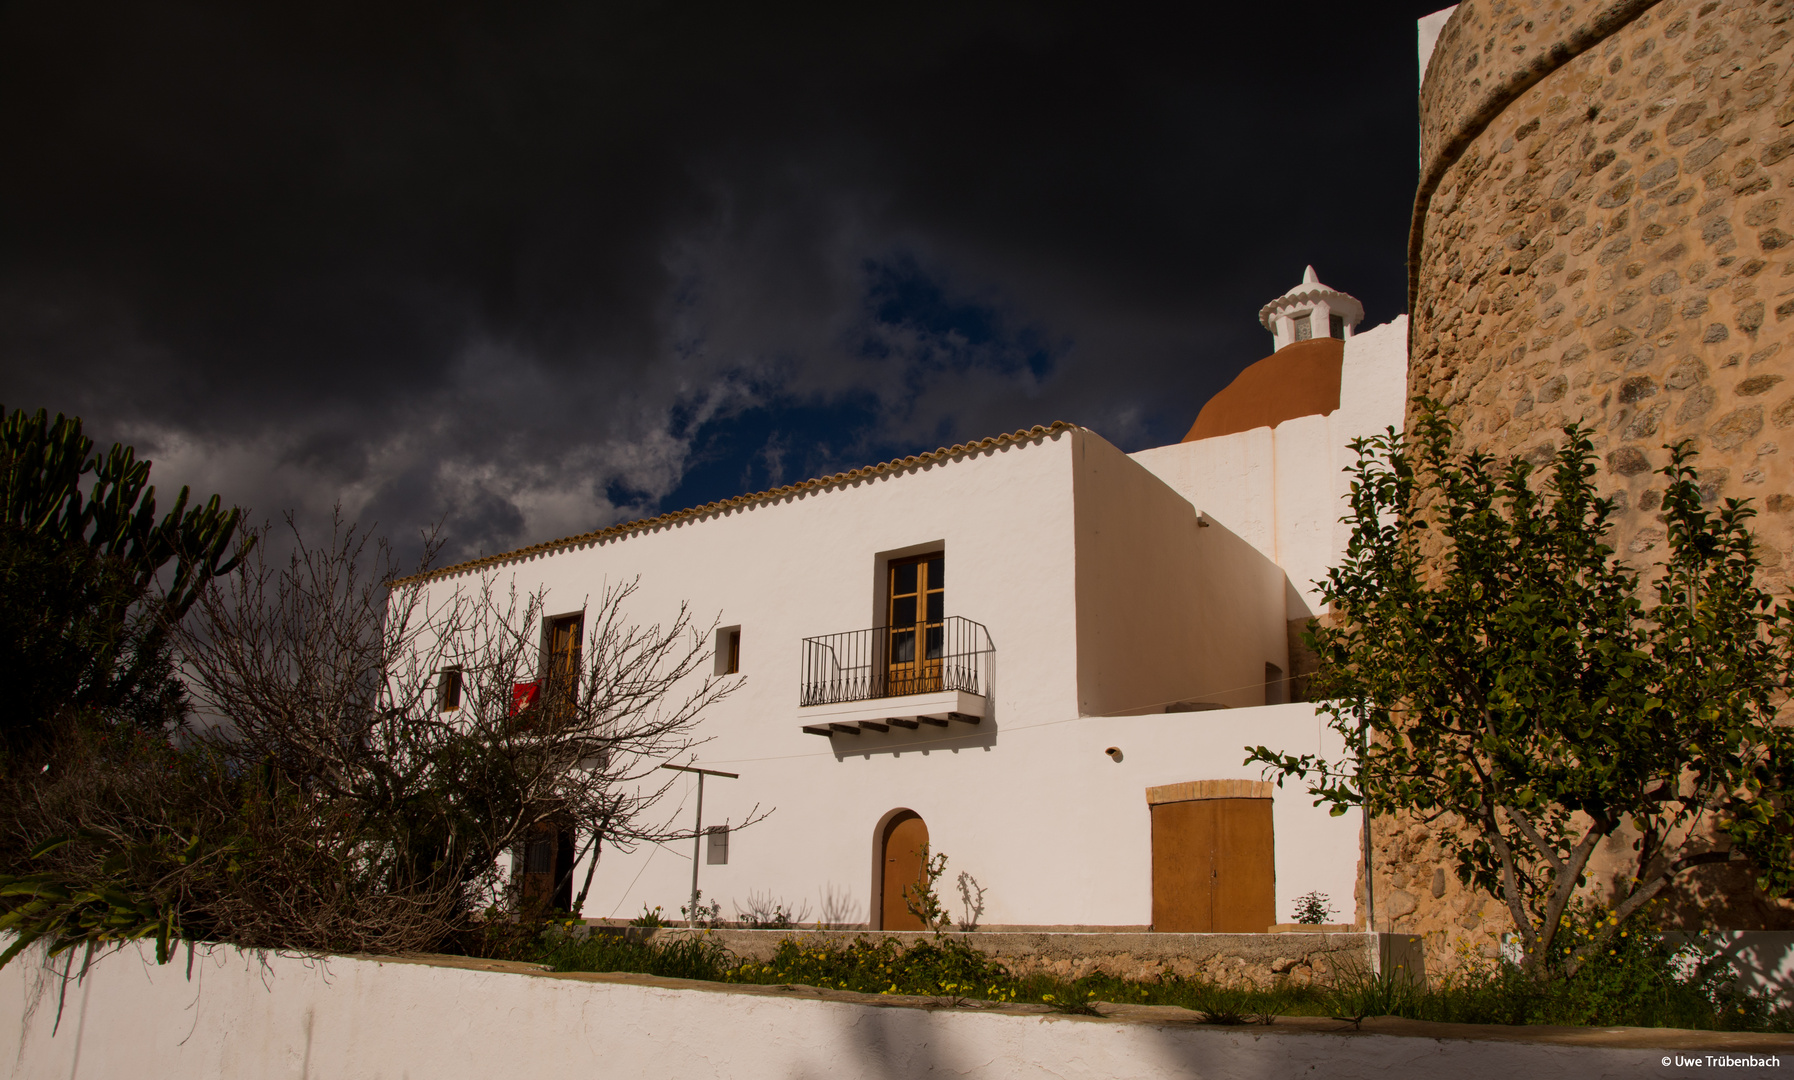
{"points": [[917, 625], [1213, 867]]}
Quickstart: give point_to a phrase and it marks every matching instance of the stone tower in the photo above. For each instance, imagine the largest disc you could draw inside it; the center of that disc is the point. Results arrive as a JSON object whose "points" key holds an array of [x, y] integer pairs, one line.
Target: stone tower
{"points": [[1604, 233]]}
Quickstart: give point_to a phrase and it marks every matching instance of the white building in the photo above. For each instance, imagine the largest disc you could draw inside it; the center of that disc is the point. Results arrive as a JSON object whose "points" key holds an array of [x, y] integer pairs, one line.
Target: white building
{"points": [[1042, 655]]}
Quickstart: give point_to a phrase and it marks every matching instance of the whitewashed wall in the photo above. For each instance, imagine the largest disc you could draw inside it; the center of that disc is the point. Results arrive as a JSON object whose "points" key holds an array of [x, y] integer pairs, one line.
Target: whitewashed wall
{"points": [[1282, 489], [1027, 801], [239, 1017], [1171, 607], [807, 565]]}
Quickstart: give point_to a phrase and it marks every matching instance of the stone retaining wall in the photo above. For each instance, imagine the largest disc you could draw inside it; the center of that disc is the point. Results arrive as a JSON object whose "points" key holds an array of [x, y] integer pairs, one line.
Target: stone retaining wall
{"points": [[1234, 959]]}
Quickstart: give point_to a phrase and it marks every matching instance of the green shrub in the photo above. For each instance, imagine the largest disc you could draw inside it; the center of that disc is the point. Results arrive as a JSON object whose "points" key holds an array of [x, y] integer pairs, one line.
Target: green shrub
{"points": [[921, 899], [686, 956], [1313, 908], [945, 968], [1640, 980]]}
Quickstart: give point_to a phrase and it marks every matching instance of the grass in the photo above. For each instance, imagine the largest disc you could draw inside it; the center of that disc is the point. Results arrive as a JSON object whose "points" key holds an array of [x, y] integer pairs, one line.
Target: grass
{"points": [[1643, 984], [675, 958]]}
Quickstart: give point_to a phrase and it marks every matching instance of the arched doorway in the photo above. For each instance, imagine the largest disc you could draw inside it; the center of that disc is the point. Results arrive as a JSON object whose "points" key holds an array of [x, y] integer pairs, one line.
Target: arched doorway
{"points": [[902, 836]]}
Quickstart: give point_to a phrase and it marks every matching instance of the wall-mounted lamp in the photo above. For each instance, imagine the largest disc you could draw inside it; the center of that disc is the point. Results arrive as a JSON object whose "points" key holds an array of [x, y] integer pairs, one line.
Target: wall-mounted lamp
{"points": [[1114, 752]]}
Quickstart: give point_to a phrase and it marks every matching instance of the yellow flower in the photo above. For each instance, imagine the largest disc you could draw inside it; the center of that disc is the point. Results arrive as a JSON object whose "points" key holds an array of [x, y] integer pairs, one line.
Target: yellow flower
{"points": [[1046, 997]]}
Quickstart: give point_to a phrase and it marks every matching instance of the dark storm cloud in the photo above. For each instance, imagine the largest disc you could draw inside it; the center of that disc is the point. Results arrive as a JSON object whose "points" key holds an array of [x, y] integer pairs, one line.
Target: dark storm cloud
{"points": [[529, 269]]}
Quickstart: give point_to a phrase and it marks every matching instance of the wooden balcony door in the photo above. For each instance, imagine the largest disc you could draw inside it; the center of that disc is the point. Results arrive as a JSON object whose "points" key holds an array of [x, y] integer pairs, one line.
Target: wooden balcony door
{"points": [[1213, 870], [917, 638], [560, 677]]}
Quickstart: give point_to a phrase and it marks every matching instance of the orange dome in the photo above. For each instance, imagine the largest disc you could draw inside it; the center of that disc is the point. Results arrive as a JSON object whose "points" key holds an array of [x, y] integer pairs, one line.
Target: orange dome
{"points": [[1297, 380]]}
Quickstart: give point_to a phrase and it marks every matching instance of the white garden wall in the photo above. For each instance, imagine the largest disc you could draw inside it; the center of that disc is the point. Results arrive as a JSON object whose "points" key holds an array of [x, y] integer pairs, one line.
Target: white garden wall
{"points": [[237, 1016]]}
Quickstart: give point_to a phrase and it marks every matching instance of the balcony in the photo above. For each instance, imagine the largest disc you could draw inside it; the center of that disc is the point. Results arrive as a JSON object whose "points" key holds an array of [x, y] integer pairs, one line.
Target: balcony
{"points": [[906, 676]]}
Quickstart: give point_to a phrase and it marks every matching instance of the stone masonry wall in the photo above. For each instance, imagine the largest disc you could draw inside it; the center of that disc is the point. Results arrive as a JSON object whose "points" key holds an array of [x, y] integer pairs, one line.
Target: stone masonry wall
{"points": [[1604, 233], [1228, 959]]}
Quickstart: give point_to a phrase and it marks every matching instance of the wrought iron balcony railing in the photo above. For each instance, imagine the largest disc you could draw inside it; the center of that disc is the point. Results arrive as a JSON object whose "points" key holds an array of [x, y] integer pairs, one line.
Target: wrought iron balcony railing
{"points": [[892, 661]]}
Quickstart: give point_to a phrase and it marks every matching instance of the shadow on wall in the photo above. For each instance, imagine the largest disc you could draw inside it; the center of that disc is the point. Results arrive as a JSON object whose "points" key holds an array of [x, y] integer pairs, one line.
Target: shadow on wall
{"points": [[1763, 959], [924, 741], [895, 1044]]}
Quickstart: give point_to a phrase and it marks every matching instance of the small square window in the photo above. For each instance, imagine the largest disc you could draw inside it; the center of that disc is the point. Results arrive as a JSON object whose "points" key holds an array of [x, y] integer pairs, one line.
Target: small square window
{"points": [[1304, 325], [448, 689], [716, 851], [1336, 326]]}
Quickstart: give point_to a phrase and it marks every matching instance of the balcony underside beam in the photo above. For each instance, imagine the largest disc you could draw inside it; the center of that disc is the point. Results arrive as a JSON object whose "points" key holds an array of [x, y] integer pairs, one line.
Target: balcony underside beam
{"points": [[946, 709]]}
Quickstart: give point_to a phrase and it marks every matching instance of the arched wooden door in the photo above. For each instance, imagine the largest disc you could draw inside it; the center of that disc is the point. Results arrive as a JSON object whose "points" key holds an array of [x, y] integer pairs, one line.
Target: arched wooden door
{"points": [[905, 837]]}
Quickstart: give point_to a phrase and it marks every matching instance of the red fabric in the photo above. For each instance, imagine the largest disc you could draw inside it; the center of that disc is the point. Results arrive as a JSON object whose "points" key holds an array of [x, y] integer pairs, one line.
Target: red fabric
{"points": [[523, 695]]}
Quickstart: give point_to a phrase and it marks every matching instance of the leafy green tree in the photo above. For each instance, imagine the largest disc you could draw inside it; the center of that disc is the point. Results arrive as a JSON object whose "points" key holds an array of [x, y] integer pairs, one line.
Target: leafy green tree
{"points": [[1496, 671], [90, 580]]}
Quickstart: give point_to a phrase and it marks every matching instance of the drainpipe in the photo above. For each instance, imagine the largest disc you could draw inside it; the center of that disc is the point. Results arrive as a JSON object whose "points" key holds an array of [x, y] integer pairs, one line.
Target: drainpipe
{"points": [[697, 845]]}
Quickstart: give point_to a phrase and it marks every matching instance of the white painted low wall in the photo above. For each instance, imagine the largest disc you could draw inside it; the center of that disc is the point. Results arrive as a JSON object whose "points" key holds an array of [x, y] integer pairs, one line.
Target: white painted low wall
{"points": [[1762, 959], [237, 1015]]}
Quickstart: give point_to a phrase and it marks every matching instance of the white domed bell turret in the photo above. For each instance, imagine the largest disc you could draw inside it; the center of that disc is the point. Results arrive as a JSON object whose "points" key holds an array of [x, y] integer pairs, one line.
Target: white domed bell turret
{"points": [[1310, 310]]}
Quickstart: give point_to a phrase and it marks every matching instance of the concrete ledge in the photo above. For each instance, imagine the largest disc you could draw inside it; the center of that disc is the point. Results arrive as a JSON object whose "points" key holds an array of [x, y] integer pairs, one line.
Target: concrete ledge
{"points": [[941, 707], [231, 1013]]}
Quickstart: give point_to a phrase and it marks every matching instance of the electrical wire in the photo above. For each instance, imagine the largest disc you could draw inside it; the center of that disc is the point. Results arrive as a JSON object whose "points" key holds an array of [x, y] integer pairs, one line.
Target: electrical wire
{"points": [[657, 846], [917, 744]]}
